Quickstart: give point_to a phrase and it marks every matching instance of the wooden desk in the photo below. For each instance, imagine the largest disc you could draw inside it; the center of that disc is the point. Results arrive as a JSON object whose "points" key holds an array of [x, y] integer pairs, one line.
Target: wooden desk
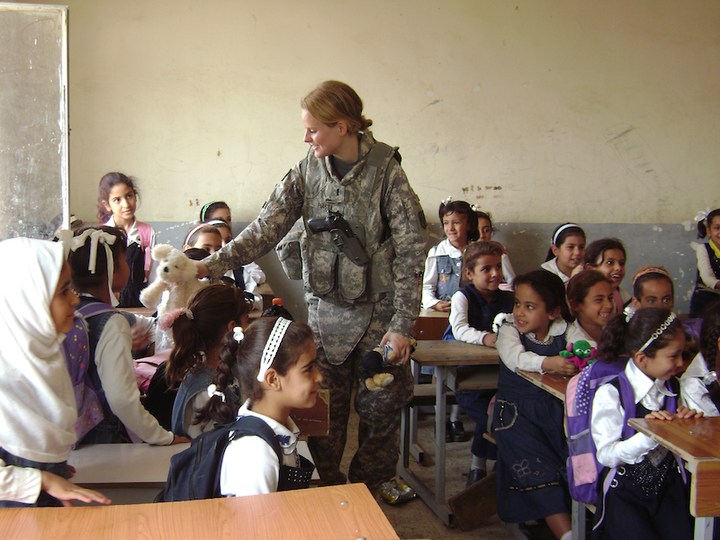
{"points": [[553, 383], [334, 512], [431, 324], [445, 356], [697, 441]]}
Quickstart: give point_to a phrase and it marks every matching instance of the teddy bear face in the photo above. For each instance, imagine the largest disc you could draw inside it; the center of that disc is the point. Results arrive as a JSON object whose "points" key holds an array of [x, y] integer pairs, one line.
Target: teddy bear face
{"points": [[173, 265]]}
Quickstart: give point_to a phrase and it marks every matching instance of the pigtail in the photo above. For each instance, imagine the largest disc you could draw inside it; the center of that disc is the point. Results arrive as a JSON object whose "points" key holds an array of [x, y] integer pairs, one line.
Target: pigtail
{"points": [[705, 220], [612, 340], [186, 354], [218, 410]]}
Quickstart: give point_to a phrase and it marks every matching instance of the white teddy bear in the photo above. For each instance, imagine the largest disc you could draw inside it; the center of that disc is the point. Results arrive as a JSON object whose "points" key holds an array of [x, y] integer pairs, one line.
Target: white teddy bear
{"points": [[176, 282]]}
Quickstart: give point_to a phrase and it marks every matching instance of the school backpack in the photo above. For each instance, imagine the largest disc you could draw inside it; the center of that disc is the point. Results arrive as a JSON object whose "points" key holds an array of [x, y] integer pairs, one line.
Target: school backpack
{"points": [[583, 469], [76, 350], [195, 472]]}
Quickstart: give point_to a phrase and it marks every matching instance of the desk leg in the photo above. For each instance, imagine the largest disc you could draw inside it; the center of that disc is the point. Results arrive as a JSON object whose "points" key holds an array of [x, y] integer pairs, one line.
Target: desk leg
{"points": [[578, 520], [704, 528], [440, 412], [416, 451]]}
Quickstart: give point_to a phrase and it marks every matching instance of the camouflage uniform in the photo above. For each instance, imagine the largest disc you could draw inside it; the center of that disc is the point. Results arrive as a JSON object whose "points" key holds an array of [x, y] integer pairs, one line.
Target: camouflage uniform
{"points": [[350, 308]]}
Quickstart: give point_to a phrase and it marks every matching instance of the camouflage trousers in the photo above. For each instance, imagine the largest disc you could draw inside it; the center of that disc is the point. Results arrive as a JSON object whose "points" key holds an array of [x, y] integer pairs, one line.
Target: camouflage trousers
{"points": [[379, 431]]}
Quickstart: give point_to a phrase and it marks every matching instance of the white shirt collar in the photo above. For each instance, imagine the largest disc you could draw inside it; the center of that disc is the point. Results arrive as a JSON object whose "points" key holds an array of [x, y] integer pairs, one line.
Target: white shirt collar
{"points": [[288, 437], [644, 387]]}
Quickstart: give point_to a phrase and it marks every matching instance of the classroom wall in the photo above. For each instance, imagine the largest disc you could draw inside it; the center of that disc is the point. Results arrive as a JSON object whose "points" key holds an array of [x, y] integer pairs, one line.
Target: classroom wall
{"points": [[600, 112]]}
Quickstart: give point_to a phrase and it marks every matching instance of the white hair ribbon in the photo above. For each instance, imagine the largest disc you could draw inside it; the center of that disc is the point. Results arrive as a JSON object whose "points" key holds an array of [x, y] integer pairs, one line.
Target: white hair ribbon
{"points": [[238, 334], [107, 240], [446, 201], [629, 312], [702, 215], [272, 346], [561, 229], [213, 391]]}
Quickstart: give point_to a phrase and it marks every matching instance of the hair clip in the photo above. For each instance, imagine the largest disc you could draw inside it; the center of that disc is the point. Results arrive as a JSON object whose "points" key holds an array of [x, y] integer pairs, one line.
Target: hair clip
{"points": [[657, 333], [629, 312], [213, 391], [447, 201], [475, 208], [238, 334], [702, 215], [272, 346], [170, 317]]}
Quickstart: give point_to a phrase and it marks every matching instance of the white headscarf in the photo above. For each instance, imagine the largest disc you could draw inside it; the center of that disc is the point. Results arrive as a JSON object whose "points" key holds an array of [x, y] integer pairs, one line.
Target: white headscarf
{"points": [[37, 402]]}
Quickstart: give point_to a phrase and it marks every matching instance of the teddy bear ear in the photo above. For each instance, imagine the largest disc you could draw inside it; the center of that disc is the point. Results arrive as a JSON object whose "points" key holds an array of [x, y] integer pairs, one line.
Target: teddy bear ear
{"points": [[190, 271], [161, 251]]}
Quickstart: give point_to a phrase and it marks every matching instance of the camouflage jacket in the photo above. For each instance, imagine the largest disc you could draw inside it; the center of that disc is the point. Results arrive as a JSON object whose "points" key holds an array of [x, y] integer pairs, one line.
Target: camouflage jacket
{"points": [[289, 201]]}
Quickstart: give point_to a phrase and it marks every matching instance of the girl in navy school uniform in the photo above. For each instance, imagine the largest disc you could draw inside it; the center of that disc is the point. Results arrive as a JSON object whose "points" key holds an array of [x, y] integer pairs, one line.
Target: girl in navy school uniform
{"points": [[592, 301], [198, 331], [275, 363], [117, 202], [37, 402], [566, 251], [474, 308], [527, 420], [707, 287], [646, 497]]}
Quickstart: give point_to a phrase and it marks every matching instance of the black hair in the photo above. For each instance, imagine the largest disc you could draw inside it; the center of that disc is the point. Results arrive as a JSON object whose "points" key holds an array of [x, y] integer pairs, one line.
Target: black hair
{"points": [[196, 231], [650, 273], [241, 360], [549, 287], [107, 183], [82, 278], [595, 251], [210, 208], [581, 283], [704, 224], [559, 239], [464, 209], [623, 338]]}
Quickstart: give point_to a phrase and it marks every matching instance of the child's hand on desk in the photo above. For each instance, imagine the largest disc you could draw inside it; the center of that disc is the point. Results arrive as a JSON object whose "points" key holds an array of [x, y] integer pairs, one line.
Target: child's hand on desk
{"points": [[489, 340], [684, 412], [442, 305], [177, 439], [560, 365], [66, 491]]}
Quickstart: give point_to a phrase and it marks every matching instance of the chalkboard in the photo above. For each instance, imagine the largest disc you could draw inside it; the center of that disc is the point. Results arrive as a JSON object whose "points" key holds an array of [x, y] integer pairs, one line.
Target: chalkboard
{"points": [[33, 120]]}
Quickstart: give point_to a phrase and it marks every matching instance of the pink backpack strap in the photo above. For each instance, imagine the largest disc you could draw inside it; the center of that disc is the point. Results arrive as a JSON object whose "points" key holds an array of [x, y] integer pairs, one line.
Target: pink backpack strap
{"points": [[145, 233]]}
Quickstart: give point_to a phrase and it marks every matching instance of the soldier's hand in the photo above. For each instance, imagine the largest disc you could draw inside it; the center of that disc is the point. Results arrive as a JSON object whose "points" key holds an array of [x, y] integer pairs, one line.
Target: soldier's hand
{"points": [[202, 269], [400, 344]]}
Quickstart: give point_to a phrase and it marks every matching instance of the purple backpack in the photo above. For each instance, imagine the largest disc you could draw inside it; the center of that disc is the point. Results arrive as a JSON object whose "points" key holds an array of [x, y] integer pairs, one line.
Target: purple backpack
{"points": [[583, 469], [76, 350]]}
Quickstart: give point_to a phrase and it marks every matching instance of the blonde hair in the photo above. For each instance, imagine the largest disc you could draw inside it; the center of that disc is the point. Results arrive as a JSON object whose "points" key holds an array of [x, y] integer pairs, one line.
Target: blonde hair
{"points": [[334, 101]]}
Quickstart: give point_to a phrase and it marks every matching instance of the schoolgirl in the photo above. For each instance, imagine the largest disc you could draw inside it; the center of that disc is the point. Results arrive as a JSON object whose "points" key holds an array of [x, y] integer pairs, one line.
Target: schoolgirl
{"points": [[117, 203], [216, 210], [592, 301], [699, 384], [197, 332], [99, 268], [474, 308], [566, 251], [275, 363], [653, 287], [443, 266], [203, 236], [487, 231], [646, 496], [528, 421], [608, 257], [707, 287], [37, 402]]}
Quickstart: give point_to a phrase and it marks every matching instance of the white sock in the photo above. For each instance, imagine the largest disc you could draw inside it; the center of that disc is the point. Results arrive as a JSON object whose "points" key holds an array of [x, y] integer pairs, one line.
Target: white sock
{"points": [[515, 532], [478, 463], [454, 413]]}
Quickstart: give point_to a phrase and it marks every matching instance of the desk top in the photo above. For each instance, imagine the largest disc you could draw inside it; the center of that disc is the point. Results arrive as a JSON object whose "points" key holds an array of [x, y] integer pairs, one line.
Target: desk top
{"points": [[433, 314], [693, 439], [454, 353], [554, 383], [334, 512]]}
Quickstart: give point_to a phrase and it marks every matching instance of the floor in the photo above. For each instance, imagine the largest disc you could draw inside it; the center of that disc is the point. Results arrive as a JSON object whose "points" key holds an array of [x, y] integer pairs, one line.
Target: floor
{"points": [[414, 520]]}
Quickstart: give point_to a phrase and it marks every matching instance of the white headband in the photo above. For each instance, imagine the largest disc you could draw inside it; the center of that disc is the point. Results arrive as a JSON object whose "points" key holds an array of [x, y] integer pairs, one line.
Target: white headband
{"points": [[106, 239], [657, 333], [561, 229], [272, 346]]}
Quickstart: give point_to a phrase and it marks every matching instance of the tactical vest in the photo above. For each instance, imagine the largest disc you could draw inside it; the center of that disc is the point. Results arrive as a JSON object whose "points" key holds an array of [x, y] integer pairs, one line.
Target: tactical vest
{"points": [[330, 274]]}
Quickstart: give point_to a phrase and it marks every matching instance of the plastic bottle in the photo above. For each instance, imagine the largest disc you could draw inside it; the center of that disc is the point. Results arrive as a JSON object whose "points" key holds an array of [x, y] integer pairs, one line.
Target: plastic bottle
{"points": [[277, 310]]}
